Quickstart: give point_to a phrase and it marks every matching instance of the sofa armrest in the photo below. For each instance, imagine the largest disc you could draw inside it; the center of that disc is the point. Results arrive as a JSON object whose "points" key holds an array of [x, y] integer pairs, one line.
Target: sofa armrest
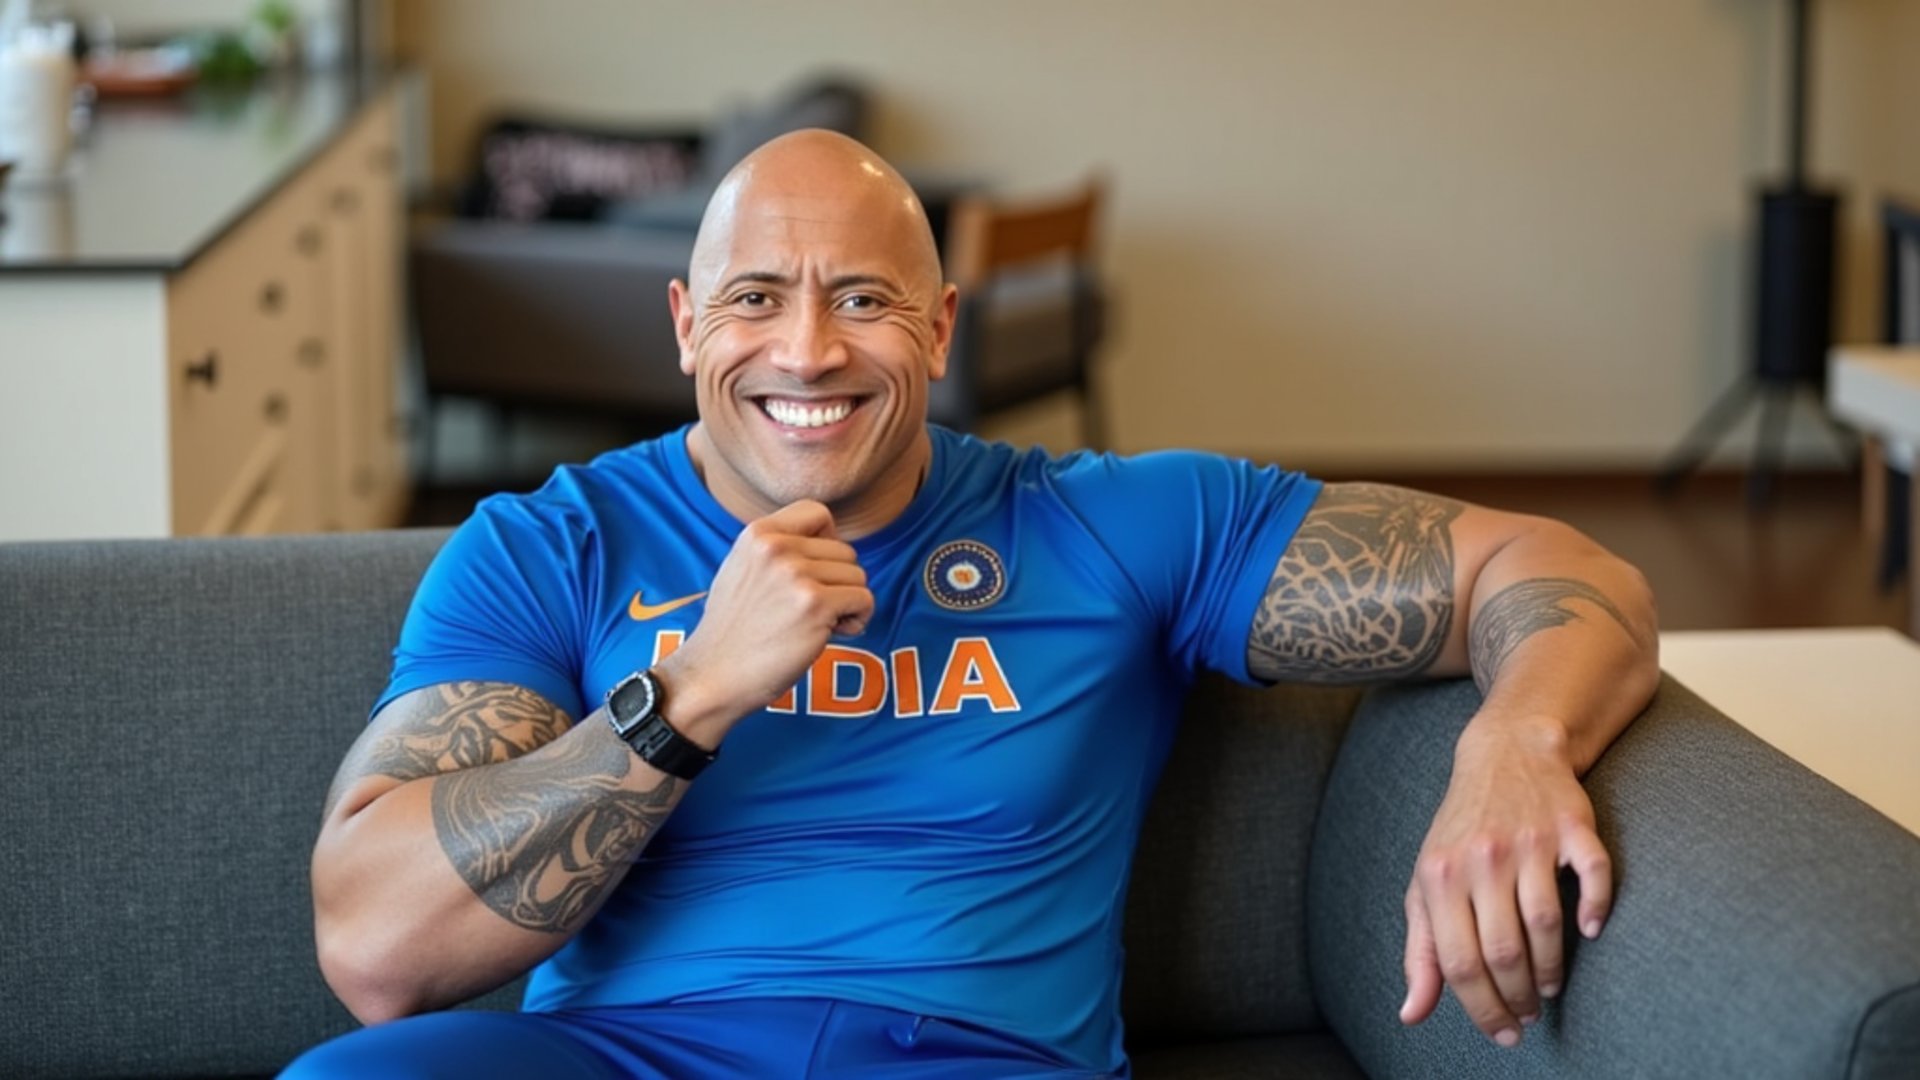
{"points": [[553, 314], [1766, 923]]}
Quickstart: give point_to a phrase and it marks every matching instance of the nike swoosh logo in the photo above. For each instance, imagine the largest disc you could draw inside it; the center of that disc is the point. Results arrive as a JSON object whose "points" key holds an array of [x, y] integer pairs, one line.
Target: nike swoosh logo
{"points": [[640, 612]]}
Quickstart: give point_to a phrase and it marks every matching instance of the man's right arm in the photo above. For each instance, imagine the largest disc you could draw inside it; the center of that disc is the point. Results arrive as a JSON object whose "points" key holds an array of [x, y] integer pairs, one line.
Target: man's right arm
{"points": [[472, 828]]}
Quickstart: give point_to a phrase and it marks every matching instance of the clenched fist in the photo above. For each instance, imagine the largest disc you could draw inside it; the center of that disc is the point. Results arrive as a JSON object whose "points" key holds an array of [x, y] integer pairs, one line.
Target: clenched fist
{"points": [[788, 585]]}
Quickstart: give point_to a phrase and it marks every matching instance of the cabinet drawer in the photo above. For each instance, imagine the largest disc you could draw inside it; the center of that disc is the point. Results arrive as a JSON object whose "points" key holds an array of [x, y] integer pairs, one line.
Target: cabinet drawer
{"points": [[229, 373], [283, 346], [259, 498]]}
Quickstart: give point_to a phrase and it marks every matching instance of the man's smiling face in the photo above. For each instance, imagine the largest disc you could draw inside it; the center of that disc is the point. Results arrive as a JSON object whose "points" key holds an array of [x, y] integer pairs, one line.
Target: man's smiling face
{"points": [[812, 321]]}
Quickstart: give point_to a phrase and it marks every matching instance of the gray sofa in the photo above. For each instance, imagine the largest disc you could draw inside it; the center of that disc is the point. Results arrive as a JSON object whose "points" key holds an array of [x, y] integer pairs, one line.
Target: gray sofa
{"points": [[173, 711]]}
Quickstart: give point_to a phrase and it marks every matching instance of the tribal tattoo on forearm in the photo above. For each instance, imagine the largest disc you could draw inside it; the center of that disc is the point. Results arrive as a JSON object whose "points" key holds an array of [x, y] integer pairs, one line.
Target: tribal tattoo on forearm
{"points": [[453, 726], [1364, 592], [542, 845], [539, 843], [1522, 610]]}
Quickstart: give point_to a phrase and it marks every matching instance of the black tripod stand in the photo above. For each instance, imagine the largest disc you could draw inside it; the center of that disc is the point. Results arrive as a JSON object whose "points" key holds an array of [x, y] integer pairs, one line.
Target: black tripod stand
{"points": [[1794, 309], [1776, 406]]}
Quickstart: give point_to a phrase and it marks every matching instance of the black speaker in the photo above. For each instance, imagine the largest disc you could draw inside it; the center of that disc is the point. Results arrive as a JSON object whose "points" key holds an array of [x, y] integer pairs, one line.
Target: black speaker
{"points": [[1794, 293], [1793, 303]]}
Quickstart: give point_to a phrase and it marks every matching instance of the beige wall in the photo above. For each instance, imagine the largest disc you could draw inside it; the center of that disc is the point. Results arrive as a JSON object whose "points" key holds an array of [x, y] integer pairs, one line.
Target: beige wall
{"points": [[1433, 234], [143, 19]]}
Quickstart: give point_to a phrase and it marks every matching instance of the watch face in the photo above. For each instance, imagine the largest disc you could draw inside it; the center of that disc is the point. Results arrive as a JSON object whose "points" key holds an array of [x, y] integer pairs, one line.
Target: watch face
{"points": [[632, 701]]}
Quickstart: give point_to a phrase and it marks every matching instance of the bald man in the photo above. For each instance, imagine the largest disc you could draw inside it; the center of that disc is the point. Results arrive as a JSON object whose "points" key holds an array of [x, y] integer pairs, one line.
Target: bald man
{"points": [[925, 684]]}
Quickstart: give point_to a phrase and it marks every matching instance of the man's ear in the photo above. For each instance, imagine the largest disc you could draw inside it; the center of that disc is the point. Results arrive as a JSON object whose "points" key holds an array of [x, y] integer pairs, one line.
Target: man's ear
{"points": [[943, 318], [680, 303]]}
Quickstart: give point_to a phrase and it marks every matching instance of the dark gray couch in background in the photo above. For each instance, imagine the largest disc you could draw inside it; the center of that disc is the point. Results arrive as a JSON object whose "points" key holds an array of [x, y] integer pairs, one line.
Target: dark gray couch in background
{"points": [[174, 710]]}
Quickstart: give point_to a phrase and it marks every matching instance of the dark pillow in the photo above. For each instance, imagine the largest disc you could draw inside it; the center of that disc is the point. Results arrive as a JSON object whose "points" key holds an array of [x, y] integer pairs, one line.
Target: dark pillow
{"points": [[533, 170]]}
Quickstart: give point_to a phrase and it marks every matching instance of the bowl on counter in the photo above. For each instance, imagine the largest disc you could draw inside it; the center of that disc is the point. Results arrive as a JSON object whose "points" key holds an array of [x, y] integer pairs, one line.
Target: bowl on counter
{"points": [[140, 73]]}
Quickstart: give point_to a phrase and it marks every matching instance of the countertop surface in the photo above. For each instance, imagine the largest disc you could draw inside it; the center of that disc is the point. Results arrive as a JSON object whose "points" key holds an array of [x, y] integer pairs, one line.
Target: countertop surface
{"points": [[152, 184], [1877, 387], [1843, 701]]}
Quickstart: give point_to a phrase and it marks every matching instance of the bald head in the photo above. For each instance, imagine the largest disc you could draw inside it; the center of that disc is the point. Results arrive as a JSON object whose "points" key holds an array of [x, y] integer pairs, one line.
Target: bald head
{"points": [[809, 179], [813, 321]]}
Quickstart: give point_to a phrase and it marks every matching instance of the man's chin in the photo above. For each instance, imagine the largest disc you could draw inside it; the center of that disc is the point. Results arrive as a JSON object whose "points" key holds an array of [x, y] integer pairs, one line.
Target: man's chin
{"points": [[785, 489]]}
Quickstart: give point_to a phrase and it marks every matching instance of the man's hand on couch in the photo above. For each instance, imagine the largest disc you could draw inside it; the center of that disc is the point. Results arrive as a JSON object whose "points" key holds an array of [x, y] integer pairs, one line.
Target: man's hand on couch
{"points": [[1483, 909]]}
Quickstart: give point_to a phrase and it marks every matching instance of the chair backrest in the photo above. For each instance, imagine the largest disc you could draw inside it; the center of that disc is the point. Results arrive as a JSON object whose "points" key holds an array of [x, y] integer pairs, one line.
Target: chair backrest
{"points": [[985, 238], [1902, 301], [1030, 304]]}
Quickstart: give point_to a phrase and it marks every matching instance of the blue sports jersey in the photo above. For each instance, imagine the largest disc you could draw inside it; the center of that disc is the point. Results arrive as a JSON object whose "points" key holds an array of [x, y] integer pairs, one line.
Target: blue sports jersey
{"points": [[940, 817]]}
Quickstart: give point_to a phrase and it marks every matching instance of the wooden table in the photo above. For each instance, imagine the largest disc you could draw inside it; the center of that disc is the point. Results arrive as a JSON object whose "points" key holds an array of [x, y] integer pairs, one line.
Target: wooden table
{"points": [[1845, 702], [1877, 389]]}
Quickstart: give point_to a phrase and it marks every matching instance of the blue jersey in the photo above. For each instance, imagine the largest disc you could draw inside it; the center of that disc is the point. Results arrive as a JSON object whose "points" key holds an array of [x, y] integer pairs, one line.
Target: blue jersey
{"points": [[940, 817]]}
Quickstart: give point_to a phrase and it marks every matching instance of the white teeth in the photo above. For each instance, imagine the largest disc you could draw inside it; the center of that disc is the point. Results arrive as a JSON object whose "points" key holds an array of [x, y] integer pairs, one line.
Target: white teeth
{"points": [[794, 414]]}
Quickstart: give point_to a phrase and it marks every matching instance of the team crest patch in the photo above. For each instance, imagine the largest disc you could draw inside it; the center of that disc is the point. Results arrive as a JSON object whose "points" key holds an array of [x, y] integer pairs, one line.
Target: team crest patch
{"points": [[965, 575]]}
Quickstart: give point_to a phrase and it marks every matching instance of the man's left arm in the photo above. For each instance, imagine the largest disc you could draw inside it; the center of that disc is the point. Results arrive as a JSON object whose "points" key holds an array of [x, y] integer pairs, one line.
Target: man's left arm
{"points": [[1382, 582]]}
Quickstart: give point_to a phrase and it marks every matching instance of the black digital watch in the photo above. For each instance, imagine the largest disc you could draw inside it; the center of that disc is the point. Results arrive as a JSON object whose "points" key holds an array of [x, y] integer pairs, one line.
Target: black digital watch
{"points": [[634, 709]]}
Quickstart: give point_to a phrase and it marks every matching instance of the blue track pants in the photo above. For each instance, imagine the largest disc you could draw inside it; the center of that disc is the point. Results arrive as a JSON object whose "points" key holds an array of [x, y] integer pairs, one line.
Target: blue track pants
{"points": [[761, 1039]]}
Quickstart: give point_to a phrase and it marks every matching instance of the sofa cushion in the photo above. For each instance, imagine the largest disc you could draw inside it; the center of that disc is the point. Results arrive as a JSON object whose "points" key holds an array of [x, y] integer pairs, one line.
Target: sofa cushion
{"points": [[150, 926], [1216, 912], [1308, 1056], [1764, 921]]}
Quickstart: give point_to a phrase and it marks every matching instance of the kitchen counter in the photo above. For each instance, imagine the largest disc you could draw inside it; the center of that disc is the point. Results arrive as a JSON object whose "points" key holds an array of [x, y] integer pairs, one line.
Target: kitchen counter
{"points": [[201, 323], [153, 184]]}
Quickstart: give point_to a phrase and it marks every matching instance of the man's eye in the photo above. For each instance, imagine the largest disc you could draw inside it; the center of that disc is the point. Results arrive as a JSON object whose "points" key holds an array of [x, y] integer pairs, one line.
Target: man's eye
{"points": [[861, 302], [754, 299]]}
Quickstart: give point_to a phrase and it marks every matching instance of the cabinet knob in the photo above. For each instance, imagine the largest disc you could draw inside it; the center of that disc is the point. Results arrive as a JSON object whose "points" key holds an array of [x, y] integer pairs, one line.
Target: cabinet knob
{"points": [[313, 353], [273, 297], [308, 242], [345, 200], [206, 369], [276, 408], [383, 159]]}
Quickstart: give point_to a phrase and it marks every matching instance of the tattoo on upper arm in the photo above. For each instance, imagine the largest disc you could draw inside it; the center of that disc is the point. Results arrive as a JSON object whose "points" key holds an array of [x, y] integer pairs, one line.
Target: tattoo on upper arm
{"points": [[1522, 610], [1364, 592], [449, 727], [541, 848]]}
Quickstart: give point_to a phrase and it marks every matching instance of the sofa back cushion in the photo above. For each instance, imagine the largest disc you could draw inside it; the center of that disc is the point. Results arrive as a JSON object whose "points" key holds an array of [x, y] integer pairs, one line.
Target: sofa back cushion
{"points": [[1216, 912], [173, 713]]}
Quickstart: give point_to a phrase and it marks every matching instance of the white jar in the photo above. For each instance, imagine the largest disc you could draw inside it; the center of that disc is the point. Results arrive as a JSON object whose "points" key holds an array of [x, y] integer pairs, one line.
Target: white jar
{"points": [[37, 80]]}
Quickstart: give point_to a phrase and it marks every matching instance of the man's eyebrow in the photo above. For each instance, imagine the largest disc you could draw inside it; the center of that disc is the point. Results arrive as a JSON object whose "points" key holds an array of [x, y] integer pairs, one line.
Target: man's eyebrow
{"points": [[844, 281], [849, 281], [756, 277]]}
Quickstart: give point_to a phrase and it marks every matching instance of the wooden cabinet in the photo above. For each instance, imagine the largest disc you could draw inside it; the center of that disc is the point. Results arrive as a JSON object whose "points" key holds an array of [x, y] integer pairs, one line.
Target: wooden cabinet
{"points": [[200, 328], [283, 342]]}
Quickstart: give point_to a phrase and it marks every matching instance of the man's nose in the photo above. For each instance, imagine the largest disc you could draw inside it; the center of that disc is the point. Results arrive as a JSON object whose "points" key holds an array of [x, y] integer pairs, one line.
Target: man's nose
{"points": [[811, 347]]}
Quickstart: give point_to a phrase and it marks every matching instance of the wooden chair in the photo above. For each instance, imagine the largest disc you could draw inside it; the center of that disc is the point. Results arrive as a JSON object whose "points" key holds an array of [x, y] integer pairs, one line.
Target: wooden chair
{"points": [[1031, 307]]}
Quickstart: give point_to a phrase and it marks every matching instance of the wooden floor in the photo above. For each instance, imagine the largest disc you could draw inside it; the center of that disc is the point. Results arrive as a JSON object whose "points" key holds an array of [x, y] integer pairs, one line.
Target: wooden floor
{"points": [[1714, 564]]}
